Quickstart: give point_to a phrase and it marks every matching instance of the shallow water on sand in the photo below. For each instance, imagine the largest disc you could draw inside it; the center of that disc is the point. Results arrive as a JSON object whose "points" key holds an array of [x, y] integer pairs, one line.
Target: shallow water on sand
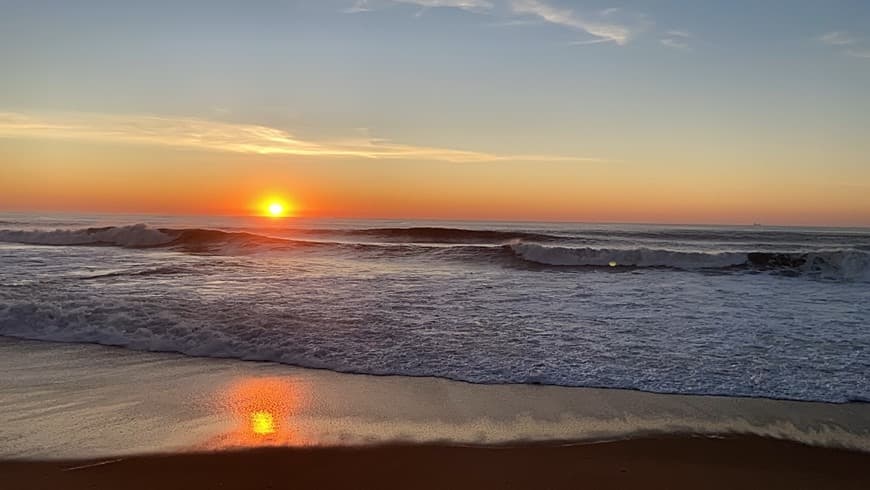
{"points": [[83, 401]]}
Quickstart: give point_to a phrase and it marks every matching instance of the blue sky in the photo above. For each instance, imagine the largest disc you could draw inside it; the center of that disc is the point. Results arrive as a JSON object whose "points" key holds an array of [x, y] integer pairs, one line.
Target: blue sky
{"points": [[681, 88]]}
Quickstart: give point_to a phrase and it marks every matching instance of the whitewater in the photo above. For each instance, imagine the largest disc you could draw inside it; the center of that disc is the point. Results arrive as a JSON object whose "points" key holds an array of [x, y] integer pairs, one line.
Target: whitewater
{"points": [[738, 311]]}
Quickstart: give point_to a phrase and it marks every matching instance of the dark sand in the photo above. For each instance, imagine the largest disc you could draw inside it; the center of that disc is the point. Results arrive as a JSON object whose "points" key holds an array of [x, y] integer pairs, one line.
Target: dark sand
{"points": [[745, 462]]}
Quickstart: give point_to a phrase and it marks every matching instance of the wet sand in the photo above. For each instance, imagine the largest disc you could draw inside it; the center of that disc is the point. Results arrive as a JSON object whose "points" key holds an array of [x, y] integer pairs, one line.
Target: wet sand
{"points": [[85, 416], [672, 462]]}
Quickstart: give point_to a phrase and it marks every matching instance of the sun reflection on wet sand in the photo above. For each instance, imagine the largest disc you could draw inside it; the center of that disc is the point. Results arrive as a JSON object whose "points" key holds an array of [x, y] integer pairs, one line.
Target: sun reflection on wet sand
{"points": [[262, 423], [261, 411]]}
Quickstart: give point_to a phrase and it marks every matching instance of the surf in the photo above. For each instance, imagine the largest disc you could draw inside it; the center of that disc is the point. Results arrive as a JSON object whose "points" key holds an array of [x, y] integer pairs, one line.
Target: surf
{"points": [[481, 246]]}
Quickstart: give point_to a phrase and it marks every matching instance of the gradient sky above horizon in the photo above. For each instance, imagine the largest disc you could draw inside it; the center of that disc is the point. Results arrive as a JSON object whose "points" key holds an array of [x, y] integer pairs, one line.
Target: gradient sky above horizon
{"points": [[639, 111]]}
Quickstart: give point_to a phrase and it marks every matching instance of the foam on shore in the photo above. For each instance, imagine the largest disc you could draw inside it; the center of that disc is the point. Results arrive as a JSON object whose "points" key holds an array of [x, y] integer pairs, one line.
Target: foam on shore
{"points": [[109, 401]]}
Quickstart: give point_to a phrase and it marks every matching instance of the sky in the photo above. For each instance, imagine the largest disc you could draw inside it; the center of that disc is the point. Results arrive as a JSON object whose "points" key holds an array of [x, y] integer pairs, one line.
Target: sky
{"points": [[664, 111]]}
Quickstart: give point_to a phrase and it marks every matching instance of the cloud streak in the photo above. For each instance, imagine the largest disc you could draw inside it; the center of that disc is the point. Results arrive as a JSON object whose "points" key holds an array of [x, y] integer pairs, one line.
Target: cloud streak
{"points": [[615, 33], [678, 40], [675, 44], [849, 45], [677, 33], [602, 29], [460, 4], [837, 38], [202, 134], [470, 5]]}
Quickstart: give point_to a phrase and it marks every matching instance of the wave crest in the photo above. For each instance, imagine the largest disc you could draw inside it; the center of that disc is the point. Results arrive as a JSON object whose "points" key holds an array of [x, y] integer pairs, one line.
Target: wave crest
{"points": [[448, 235], [638, 257], [134, 236], [474, 245], [833, 264]]}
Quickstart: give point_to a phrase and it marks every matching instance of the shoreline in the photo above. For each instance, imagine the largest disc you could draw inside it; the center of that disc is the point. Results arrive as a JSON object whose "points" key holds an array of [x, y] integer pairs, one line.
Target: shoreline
{"points": [[62, 401], [289, 366], [671, 462]]}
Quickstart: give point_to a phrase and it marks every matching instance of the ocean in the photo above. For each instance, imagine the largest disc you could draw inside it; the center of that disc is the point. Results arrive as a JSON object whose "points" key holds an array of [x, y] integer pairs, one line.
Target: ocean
{"points": [[751, 311]]}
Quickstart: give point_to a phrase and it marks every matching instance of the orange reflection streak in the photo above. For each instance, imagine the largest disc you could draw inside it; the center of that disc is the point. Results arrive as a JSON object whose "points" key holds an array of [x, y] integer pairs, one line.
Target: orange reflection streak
{"points": [[261, 410]]}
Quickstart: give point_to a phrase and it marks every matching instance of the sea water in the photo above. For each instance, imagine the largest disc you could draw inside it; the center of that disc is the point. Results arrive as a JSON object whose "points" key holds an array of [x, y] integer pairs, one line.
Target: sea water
{"points": [[739, 311]]}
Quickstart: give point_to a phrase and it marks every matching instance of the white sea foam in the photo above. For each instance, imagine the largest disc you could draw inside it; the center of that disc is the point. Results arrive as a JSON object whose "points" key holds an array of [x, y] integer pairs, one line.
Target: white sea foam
{"points": [[138, 235], [851, 265], [638, 257]]}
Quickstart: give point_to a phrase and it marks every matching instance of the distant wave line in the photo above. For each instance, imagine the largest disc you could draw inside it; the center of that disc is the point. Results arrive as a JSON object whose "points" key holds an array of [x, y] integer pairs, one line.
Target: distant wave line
{"points": [[533, 249]]}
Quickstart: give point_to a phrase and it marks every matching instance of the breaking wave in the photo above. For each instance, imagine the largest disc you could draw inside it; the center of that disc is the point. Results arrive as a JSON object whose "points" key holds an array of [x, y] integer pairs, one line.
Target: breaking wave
{"points": [[639, 257], [477, 245], [834, 264], [448, 235], [141, 235], [137, 236], [134, 236]]}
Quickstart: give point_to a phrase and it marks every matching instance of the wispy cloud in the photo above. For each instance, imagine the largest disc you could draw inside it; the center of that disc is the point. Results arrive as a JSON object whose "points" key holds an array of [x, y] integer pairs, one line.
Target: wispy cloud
{"points": [[185, 132], [611, 32], [588, 42], [849, 45], [677, 33], [676, 39], [516, 23], [603, 26], [677, 44], [470, 5], [837, 38], [459, 4], [357, 7]]}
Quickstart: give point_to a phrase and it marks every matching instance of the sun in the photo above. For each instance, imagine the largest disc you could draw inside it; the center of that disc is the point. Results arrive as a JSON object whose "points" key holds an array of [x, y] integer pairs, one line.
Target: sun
{"points": [[276, 209], [274, 206]]}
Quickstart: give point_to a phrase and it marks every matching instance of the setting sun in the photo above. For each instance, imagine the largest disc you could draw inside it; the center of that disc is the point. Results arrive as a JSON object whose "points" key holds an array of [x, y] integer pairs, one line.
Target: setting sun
{"points": [[276, 209]]}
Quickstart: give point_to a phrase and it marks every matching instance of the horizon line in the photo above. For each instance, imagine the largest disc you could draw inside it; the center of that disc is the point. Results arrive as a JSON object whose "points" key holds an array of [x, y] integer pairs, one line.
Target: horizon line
{"points": [[434, 219]]}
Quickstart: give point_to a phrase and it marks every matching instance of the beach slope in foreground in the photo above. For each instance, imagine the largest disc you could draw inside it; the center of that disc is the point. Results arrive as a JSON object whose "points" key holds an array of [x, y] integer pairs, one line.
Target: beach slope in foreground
{"points": [[744, 462]]}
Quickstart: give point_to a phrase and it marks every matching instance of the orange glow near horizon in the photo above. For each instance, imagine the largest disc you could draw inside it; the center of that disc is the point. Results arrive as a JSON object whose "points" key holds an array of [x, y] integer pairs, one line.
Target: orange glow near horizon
{"points": [[86, 178]]}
